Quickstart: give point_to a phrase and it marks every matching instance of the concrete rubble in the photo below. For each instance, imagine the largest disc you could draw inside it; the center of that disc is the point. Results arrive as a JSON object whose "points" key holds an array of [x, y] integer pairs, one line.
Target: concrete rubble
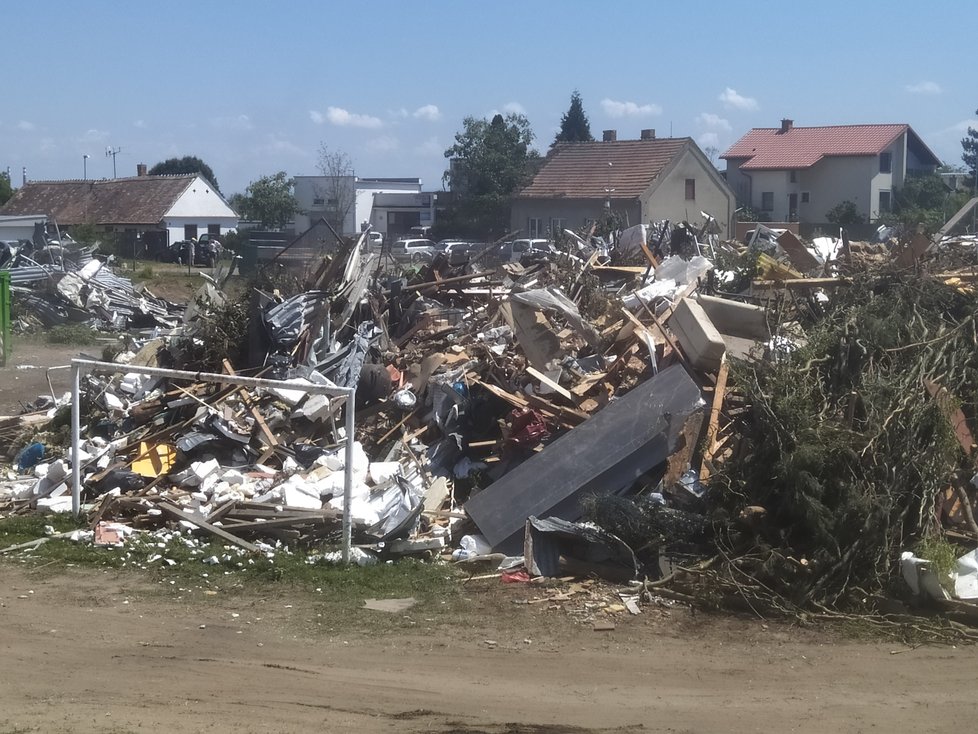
{"points": [[577, 414]]}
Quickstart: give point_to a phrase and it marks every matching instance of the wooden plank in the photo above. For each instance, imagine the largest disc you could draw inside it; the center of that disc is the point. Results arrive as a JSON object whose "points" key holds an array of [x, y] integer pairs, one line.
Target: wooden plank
{"points": [[712, 426], [178, 514], [550, 383], [799, 255], [803, 283], [270, 438]]}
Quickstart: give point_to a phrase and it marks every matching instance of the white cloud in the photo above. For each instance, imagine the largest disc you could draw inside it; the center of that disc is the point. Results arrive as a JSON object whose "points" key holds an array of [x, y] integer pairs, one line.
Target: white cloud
{"points": [[48, 146], [713, 122], [430, 147], [25, 125], [733, 100], [344, 118], [924, 88], [317, 117], [959, 128], [95, 136], [275, 146], [383, 144], [514, 108], [238, 122], [613, 108], [428, 112], [708, 140]]}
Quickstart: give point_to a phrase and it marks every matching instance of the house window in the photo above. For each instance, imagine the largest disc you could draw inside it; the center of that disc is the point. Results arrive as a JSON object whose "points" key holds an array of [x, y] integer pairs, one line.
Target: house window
{"points": [[557, 226], [190, 231], [793, 177], [767, 201], [805, 197], [534, 227], [690, 189], [318, 201], [886, 162], [214, 230], [884, 202]]}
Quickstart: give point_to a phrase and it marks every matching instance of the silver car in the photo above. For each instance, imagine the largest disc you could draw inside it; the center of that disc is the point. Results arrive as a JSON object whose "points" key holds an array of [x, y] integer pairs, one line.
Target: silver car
{"points": [[413, 251]]}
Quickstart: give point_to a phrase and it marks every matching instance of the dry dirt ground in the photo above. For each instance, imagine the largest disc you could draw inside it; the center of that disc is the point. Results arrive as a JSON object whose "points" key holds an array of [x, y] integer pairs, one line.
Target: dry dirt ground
{"points": [[96, 651], [25, 376]]}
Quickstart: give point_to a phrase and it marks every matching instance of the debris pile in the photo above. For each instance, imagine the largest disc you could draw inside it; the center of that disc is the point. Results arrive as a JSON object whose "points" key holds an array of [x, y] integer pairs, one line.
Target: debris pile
{"points": [[764, 426], [62, 282]]}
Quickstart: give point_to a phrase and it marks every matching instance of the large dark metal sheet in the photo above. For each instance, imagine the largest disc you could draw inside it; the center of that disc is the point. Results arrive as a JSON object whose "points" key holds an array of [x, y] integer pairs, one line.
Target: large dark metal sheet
{"points": [[605, 454]]}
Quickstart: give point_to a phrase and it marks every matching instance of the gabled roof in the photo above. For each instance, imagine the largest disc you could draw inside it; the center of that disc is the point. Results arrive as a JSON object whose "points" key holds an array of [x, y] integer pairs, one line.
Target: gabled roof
{"points": [[768, 148], [137, 200], [581, 170]]}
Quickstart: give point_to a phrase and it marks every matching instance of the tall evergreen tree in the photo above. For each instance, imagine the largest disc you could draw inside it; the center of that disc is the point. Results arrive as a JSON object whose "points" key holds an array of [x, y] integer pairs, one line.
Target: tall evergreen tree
{"points": [[970, 145], [574, 125]]}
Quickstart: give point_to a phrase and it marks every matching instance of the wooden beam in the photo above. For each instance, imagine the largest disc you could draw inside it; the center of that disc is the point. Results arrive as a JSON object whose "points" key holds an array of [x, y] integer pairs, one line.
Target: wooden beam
{"points": [[178, 514], [549, 382], [712, 426]]}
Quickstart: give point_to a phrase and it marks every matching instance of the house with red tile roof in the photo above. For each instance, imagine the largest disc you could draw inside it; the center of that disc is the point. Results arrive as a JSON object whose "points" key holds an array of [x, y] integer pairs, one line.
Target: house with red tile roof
{"points": [[649, 179], [160, 209], [790, 173]]}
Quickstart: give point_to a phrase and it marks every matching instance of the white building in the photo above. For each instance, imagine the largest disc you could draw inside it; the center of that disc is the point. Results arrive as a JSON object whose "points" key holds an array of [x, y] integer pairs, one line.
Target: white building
{"points": [[391, 206], [156, 210]]}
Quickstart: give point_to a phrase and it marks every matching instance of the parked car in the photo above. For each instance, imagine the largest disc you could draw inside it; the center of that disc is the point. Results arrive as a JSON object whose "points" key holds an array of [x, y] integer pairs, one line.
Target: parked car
{"points": [[457, 251], [413, 250], [205, 253], [516, 250]]}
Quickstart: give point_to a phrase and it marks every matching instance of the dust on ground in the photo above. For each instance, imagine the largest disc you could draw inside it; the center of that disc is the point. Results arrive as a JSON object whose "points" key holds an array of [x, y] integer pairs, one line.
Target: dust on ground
{"points": [[26, 375], [88, 651]]}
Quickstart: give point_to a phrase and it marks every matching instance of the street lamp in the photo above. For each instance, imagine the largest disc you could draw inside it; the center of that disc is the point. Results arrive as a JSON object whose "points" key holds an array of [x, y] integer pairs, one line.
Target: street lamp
{"points": [[85, 166]]}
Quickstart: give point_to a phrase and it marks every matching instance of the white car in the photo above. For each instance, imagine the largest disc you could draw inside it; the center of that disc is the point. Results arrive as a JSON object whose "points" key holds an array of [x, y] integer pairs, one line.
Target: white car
{"points": [[413, 250]]}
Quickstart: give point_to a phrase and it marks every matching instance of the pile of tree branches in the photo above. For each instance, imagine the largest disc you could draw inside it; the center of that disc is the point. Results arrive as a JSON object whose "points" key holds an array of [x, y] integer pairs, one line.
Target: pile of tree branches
{"points": [[850, 443]]}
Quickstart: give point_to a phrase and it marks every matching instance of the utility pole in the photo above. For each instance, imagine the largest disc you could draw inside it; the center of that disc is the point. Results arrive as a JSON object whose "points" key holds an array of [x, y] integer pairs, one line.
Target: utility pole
{"points": [[110, 151], [85, 158]]}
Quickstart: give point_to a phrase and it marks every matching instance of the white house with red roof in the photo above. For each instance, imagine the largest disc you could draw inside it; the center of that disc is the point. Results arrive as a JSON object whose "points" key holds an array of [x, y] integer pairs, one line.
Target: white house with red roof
{"points": [[800, 173]]}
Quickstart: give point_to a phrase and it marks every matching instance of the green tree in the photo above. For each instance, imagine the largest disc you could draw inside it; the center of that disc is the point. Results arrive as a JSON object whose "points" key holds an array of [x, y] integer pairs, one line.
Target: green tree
{"points": [[187, 164], [925, 201], [969, 145], [845, 214], [574, 125], [269, 200], [489, 162], [6, 190]]}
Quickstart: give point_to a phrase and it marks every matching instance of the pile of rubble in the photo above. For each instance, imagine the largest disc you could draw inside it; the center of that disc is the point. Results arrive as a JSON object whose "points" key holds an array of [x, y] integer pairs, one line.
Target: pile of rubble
{"points": [[605, 410], [60, 282]]}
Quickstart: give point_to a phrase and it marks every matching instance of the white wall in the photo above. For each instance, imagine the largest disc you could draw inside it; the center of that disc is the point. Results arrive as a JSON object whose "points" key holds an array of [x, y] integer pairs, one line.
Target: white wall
{"points": [[834, 180], [202, 206], [667, 200]]}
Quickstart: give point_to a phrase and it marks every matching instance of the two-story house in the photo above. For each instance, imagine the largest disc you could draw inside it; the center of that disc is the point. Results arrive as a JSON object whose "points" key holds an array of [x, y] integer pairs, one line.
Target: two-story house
{"points": [[790, 173]]}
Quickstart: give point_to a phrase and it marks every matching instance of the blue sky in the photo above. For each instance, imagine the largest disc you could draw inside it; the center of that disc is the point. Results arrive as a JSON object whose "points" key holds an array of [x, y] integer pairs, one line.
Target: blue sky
{"points": [[257, 87]]}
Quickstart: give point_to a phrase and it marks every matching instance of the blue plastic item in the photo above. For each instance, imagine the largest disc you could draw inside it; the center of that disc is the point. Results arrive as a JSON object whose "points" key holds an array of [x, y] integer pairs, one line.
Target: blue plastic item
{"points": [[29, 456]]}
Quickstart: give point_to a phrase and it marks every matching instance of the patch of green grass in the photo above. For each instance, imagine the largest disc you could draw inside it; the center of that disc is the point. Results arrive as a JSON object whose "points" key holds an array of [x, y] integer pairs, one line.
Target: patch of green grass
{"points": [[181, 562], [75, 334]]}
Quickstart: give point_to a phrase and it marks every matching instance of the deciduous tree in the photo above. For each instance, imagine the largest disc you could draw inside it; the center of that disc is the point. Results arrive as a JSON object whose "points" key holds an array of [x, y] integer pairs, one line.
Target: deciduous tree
{"points": [[489, 162], [269, 200], [187, 164], [338, 192], [969, 144]]}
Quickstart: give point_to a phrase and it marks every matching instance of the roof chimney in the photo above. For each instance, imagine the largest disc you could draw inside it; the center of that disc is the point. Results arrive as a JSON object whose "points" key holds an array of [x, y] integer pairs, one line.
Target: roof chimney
{"points": [[140, 169], [609, 136], [786, 125], [648, 134]]}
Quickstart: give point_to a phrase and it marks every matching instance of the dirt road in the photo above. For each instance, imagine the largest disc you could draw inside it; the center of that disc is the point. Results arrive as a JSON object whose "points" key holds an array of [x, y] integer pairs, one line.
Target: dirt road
{"points": [[82, 653]]}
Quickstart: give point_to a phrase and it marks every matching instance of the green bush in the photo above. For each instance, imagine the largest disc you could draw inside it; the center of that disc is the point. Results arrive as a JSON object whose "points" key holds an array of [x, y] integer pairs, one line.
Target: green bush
{"points": [[77, 334]]}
